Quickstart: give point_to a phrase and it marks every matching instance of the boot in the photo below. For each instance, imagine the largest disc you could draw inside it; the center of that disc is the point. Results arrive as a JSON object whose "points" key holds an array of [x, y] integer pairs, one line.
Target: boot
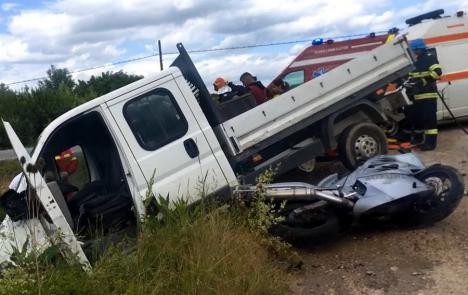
{"points": [[430, 143], [417, 138], [402, 136]]}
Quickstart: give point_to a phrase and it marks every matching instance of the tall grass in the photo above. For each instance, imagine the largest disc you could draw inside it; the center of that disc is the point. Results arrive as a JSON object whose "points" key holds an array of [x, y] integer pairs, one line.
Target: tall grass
{"points": [[197, 250], [8, 170]]}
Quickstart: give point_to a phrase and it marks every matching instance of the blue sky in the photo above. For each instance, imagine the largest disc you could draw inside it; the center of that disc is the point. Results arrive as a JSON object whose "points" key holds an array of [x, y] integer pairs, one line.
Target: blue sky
{"points": [[79, 34]]}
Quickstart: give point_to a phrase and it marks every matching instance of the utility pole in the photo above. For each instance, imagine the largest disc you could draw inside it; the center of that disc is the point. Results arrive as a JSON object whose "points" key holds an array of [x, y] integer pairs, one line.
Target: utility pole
{"points": [[160, 55]]}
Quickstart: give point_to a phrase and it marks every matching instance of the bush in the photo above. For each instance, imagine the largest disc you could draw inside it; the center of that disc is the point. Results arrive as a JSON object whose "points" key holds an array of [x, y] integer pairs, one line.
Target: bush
{"points": [[8, 170], [196, 250]]}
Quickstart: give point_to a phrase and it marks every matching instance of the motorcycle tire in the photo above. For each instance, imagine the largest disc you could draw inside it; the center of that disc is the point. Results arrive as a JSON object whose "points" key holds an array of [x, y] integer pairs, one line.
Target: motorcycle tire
{"points": [[448, 191], [321, 230]]}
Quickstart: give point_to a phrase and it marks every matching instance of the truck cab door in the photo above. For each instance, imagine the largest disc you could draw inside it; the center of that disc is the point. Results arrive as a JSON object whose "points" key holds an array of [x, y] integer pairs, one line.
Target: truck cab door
{"points": [[167, 142], [37, 184]]}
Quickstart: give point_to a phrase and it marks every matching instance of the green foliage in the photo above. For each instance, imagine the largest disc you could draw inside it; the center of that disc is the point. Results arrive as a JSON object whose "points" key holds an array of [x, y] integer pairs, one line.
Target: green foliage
{"points": [[31, 110], [184, 250], [8, 170], [105, 83]]}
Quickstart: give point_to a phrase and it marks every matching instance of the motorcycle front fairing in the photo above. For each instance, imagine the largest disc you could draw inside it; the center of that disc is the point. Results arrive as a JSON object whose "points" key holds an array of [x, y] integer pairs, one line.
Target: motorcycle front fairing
{"points": [[382, 181]]}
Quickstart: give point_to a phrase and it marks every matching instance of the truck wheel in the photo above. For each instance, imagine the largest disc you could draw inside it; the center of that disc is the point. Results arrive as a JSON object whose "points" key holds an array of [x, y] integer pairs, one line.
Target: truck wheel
{"points": [[361, 142]]}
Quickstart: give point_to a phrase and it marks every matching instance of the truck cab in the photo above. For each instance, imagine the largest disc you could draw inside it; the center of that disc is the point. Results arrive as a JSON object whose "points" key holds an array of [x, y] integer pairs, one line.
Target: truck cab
{"points": [[150, 136]]}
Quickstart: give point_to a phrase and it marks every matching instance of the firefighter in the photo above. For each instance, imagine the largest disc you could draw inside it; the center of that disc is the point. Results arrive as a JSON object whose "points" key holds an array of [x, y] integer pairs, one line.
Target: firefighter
{"points": [[227, 90], [67, 162], [421, 116]]}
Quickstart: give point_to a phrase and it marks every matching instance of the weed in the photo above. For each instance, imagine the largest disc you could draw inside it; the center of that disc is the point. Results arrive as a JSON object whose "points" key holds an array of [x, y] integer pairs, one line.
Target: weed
{"points": [[196, 250]]}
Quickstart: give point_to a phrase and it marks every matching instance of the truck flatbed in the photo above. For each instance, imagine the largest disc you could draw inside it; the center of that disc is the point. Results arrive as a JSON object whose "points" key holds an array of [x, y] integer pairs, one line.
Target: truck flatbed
{"points": [[350, 81]]}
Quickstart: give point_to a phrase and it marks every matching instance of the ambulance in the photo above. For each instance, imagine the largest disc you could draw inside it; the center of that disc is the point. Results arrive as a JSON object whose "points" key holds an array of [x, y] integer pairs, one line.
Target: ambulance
{"points": [[448, 35]]}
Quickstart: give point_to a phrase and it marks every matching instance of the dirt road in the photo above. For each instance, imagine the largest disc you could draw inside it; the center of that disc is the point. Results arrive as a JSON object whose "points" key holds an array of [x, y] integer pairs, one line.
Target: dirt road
{"points": [[426, 261]]}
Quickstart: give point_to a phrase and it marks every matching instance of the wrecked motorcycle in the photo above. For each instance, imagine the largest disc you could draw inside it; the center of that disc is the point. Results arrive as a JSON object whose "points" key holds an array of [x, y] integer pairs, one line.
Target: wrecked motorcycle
{"points": [[388, 189]]}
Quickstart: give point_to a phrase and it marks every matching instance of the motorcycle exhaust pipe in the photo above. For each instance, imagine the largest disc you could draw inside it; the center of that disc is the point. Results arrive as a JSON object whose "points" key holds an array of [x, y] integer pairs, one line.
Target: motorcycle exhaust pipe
{"points": [[297, 191]]}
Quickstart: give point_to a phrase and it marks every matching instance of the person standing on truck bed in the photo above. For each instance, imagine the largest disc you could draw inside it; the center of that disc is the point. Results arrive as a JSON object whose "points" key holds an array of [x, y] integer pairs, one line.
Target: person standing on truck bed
{"points": [[422, 87], [278, 87], [259, 92], [227, 90]]}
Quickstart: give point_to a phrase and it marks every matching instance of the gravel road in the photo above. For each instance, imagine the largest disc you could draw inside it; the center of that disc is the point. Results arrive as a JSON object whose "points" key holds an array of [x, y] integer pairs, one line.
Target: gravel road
{"points": [[426, 261]]}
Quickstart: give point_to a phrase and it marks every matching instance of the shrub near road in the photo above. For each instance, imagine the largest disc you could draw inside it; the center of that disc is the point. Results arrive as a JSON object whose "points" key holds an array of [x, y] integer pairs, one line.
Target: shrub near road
{"points": [[8, 170], [189, 251]]}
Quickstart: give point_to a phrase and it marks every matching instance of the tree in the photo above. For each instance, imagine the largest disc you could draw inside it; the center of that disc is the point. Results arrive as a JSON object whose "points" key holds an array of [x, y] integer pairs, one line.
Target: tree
{"points": [[57, 77], [31, 110], [105, 83]]}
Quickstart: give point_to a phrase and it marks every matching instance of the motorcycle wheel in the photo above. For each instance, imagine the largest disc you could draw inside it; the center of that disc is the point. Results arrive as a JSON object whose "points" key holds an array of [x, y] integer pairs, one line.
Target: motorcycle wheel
{"points": [[448, 191], [318, 225]]}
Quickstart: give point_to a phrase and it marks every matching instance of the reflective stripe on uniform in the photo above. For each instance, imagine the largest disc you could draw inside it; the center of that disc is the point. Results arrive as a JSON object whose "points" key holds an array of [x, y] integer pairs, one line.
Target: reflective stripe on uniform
{"points": [[434, 67], [434, 74], [427, 95], [431, 131], [390, 38], [58, 158], [420, 74]]}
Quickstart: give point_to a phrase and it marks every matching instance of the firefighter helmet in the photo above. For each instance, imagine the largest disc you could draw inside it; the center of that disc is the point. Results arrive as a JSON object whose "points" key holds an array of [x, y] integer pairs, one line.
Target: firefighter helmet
{"points": [[418, 44]]}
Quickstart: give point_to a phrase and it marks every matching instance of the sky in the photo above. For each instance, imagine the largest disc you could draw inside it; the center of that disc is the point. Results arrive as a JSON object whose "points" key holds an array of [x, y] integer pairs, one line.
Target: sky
{"points": [[79, 34]]}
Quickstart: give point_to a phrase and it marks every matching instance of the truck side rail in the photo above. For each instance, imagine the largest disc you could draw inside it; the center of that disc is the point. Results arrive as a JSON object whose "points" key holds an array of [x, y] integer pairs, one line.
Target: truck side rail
{"points": [[341, 86]]}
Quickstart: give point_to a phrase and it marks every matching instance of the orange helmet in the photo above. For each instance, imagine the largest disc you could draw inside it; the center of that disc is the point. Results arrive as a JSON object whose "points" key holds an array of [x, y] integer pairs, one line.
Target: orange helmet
{"points": [[67, 162], [219, 82]]}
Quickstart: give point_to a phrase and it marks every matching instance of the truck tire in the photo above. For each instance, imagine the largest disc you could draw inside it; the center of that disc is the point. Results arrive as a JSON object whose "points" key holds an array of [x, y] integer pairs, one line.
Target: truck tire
{"points": [[360, 142]]}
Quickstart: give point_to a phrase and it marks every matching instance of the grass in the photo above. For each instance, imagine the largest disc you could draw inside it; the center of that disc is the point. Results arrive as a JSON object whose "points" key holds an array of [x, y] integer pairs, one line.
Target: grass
{"points": [[189, 251], [8, 170]]}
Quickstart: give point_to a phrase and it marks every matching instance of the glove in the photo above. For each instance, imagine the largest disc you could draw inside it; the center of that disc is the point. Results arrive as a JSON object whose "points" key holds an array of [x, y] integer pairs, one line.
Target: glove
{"points": [[410, 83]]}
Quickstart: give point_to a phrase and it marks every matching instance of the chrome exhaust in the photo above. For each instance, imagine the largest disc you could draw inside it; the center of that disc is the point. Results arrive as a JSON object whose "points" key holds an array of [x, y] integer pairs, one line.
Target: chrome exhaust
{"points": [[296, 191]]}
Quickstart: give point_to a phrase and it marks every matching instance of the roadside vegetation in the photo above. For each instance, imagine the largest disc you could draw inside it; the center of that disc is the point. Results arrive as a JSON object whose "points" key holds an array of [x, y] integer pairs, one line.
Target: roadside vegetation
{"points": [[8, 170], [189, 251]]}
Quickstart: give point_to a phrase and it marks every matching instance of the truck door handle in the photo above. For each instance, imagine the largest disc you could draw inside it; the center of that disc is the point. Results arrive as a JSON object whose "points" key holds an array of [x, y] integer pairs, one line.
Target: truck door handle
{"points": [[191, 148]]}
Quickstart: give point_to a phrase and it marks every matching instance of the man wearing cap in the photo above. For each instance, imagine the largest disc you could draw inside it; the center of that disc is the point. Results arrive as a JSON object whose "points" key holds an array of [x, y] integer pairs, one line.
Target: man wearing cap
{"points": [[259, 92], [227, 90], [421, 116]]}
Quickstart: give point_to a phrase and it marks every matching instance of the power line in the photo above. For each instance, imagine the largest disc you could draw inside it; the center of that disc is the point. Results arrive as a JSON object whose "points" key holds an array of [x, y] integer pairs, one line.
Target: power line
{"points": [[194, 51]]}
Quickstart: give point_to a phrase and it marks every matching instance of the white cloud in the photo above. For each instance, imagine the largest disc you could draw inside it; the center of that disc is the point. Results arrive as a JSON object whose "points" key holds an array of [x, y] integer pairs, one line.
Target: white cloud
{"points": [[81, 33]]}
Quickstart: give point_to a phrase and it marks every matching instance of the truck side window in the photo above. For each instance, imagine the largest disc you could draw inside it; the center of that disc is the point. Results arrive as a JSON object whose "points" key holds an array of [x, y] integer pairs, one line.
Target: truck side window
{"points": [[155, 119], [294, 78]]}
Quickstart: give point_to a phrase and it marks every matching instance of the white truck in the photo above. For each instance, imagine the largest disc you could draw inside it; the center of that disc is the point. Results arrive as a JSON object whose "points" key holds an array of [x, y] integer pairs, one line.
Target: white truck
{"points": [[167, 128]]}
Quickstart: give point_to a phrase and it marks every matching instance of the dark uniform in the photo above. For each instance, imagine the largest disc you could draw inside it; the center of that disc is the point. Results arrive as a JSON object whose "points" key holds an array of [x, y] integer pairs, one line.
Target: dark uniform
{"points": [[421, 117]]}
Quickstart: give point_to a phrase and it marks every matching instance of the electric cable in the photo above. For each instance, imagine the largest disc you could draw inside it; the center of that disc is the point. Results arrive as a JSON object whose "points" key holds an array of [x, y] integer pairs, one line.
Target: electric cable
{"points": [[441, 96], [197, 51]]}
